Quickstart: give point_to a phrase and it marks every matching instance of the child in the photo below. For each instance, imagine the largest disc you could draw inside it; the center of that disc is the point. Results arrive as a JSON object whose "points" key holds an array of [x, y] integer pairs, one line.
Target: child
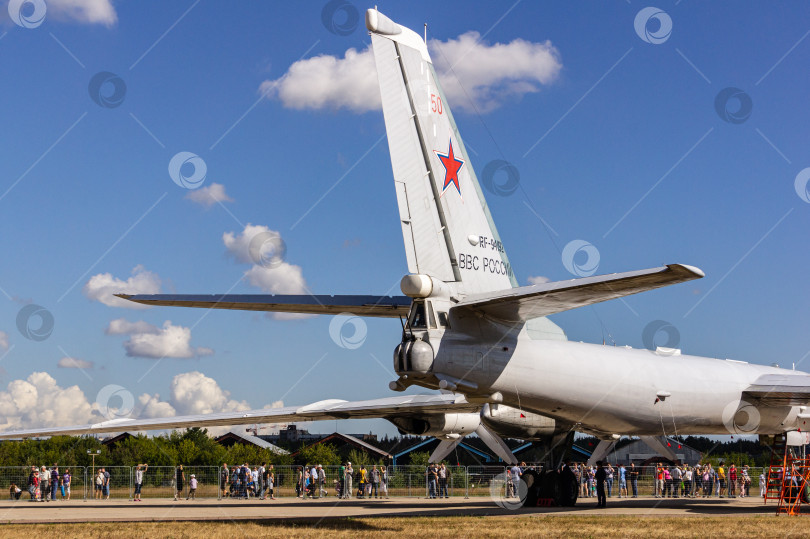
{"points": [[192, 488], [66, 483]]}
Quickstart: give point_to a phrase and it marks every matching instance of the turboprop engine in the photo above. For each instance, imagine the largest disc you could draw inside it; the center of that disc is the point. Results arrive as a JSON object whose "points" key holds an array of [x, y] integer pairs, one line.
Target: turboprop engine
{"points": [[502, 420], [443, 426], [514, 423]]}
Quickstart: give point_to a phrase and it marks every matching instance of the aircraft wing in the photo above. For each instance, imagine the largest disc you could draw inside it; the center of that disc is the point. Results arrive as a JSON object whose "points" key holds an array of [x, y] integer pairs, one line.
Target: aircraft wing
{"points": [[379, 306], [779, 390], [398, 406], [527, 302]]}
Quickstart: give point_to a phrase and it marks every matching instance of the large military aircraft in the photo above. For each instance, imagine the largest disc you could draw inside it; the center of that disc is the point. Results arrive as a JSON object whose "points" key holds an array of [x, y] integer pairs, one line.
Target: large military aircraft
{"points": [[472, 332]]}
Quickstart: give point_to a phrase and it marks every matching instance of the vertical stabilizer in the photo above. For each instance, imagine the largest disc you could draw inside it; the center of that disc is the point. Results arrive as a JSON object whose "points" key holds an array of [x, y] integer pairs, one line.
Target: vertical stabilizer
{"points": [[448, 230]]}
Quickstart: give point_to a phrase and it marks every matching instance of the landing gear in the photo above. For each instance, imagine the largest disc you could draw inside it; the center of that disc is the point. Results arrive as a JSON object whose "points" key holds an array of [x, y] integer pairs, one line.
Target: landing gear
{"points": [[552, 487]]}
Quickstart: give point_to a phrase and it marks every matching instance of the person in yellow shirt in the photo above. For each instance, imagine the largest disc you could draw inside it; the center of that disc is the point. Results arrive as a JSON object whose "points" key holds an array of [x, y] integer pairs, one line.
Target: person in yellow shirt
{"points": [[721, 474], [363, 480]]}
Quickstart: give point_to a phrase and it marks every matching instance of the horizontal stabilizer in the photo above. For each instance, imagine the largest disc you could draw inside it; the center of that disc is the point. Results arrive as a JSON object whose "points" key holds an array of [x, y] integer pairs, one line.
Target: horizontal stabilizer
{"points": [[779, 390], [381, 306], [406, 405], [527, 302]]}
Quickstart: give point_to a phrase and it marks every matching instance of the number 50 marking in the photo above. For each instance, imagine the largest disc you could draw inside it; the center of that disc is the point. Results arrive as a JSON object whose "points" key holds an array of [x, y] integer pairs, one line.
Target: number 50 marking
{"points": [[436, 103]]}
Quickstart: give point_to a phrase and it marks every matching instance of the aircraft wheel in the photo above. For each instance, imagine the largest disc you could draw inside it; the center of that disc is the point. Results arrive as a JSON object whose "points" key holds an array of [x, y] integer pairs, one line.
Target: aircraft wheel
{"points": [[569, 488], [550, 486]]}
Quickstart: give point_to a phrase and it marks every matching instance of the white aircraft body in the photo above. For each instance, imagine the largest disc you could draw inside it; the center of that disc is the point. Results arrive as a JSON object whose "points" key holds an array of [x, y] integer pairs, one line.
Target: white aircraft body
{"points": [[471, 331]]}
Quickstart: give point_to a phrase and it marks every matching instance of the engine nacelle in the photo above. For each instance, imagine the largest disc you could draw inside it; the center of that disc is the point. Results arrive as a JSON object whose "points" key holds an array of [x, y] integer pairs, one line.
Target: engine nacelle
{"points": [[513, 423], [445, 426]]}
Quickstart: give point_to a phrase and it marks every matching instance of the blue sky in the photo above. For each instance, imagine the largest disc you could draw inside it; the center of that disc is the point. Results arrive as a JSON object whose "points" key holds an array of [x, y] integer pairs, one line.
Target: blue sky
{"points": [[87, 190]]}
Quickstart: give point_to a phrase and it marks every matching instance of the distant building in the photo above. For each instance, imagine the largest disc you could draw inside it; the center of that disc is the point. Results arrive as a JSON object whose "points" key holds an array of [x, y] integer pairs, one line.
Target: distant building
{"points": [[344, 443], [641, 454], [113, 441], [293, 436], [230, 438]]}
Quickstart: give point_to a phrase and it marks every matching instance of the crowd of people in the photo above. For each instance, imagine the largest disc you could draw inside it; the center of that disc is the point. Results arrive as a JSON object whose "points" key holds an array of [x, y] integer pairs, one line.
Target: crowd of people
{"points": [[603, 480], [437, 481], [669, 481], [44, 484], [242, 482], [371, 483]]}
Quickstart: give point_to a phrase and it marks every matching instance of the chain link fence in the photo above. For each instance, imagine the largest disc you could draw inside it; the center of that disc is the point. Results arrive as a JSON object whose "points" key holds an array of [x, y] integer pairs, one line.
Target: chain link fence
{"points": [[648, 484], [292, 481]]}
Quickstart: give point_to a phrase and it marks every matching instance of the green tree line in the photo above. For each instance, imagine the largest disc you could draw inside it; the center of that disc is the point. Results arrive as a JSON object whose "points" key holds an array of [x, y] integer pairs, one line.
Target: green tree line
{"points": [[192, 447]]}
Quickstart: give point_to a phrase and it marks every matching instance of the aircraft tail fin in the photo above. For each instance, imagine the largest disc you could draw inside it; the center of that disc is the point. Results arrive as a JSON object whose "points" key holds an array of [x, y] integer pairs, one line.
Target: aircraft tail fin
{"points": [[448, 230]]}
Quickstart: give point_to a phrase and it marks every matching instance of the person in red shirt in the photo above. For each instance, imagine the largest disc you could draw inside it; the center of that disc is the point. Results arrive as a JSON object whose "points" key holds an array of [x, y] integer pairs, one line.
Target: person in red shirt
{"points": [[732, 481], [659, 483]]}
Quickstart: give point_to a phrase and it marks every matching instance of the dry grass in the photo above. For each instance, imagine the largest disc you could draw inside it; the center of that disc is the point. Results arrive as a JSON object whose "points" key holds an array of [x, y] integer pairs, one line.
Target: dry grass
{"points": [[451, 527]]}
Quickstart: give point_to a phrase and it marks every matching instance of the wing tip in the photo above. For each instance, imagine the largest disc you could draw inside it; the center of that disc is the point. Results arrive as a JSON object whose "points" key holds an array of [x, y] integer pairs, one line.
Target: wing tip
{"points": [[694, 270]]}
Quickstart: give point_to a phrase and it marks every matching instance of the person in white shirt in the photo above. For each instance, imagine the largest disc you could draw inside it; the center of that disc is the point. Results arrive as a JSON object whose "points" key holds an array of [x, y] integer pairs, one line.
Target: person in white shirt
{"points": [[321, 481], [383, 481], [687, 482], [313, 481], [347, 481], [763, 484], [139, 480], [260, 485], [513, 480], [254, 478]]}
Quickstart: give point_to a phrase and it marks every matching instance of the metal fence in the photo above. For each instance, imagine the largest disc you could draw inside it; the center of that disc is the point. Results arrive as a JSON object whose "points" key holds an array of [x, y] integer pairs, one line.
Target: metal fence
{"points": [[290, 481], [648, 484]]}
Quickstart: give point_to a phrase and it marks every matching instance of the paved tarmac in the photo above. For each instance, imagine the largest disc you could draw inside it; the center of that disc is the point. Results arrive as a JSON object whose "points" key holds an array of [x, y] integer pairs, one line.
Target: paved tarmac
{"points": [[313, 510]]}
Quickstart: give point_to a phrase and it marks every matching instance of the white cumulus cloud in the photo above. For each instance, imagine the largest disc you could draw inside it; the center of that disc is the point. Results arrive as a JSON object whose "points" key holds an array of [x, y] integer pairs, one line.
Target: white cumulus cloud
{"points": [[209, 195], [195, 393], [73, 363], [38, 401], [147, 340], [491, 74], [277, 276], [539, 279], [101, 287], [282, 279], [329, 82], [86, 11], [152, 407], [122, 326]]}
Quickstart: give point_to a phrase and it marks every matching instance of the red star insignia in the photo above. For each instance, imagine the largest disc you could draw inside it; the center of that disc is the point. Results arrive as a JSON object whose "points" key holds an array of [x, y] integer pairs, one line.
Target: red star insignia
{"points": [[452, 166]]}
